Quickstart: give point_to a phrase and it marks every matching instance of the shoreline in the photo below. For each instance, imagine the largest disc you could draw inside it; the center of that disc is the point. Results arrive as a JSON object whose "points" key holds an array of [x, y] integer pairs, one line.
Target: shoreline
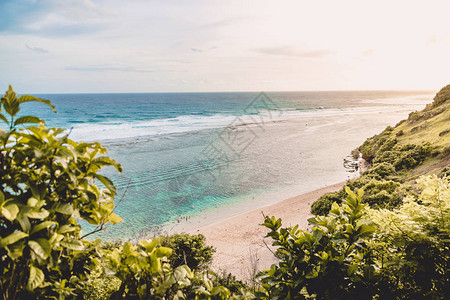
{"points": [[241, 248], [287, 159]]}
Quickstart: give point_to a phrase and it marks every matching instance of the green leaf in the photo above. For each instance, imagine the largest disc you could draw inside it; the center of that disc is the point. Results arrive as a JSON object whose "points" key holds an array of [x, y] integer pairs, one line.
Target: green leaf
{"points": [[10, 211], [15, 251], [24, 222], [36, 278], [3, 118], [335, 209], [365, 230], [42, 225], [66, 228], [155, 263], [106, 182], [64, 208], [114, 219], [10, 102], [351, 269], [73, 244], [37, 214], [41, 247], [317, 235], [28, 119], [150, 244], [360, 193], [163, 252], [12, 238], [350, 192], [106, 161], [39, 191], [28, 98]]}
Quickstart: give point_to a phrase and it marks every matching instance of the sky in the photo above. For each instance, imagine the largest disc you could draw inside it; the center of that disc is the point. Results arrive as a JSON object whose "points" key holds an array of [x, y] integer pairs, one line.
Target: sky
{"points": [[95, 46]]}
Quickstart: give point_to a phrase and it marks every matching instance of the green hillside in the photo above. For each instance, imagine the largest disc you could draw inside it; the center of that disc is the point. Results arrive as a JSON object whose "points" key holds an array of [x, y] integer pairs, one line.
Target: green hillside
{"points": [[419, 145]]}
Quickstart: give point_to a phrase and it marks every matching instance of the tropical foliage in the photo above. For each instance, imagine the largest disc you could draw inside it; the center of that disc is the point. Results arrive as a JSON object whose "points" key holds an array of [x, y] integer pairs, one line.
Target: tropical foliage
{"points": [[330, 262], [47, 182], [361, 253]]}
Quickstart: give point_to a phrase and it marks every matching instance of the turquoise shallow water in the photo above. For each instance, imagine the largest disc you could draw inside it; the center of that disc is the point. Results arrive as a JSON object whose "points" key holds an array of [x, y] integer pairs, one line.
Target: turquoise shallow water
{"points": [[185, 153]]}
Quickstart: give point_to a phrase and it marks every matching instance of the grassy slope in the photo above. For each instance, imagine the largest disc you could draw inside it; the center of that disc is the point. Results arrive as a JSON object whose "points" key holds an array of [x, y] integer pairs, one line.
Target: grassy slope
{"points": [[417, 146], [429, 125]]}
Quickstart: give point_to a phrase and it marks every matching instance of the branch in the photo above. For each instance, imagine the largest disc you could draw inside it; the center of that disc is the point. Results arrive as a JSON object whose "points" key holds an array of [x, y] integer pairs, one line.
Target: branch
{"points": [[102, 224], [267, 246]]}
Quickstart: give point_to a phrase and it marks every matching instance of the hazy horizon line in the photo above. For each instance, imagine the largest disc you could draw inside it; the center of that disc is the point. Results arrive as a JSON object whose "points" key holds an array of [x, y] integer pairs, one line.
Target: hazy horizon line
{"points": [[230, 92]]}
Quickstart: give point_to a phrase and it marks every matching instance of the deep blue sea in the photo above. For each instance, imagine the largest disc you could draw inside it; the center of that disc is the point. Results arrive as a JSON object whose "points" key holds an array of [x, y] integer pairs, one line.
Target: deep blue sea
{"points": [[181, 153]]}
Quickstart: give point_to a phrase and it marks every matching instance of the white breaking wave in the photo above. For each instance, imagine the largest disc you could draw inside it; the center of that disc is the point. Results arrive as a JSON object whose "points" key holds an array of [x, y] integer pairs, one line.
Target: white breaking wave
{"points": [[189, 123]]}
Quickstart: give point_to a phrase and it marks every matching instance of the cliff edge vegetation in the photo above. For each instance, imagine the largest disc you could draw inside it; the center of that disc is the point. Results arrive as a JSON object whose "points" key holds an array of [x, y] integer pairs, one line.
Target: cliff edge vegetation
{"points": [[419, 145]]}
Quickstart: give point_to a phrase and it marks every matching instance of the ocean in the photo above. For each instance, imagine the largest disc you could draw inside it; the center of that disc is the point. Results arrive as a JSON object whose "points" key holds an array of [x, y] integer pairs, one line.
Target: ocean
{"points": [[187, 154]]}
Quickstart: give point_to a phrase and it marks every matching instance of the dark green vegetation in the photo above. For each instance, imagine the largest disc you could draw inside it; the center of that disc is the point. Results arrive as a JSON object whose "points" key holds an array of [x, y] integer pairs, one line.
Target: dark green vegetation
{"points": [[391, 240]]}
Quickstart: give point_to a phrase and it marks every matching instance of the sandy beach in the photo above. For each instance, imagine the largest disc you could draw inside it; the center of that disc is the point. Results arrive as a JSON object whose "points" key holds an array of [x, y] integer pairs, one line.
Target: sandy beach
{"points": [[314, 145], [241, 248]]}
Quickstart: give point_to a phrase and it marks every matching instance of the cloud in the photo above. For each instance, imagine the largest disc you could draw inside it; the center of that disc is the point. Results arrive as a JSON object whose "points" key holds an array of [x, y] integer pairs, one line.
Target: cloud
{"points": [[224, 22], [200, 50], [106, 69], [291, 51], [37, 49], [52, 17]]}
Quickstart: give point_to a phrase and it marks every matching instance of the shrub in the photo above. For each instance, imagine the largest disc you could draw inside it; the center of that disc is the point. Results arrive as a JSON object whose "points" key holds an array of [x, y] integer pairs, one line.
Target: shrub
{"points": [[417, 235], [381, 193], [381, 171], [445, 172], [322, 206], [442, 133], [442, 96], [47, 182], [229, 281], [330, 262], [371, 146], [410, 156], [188, 250]]}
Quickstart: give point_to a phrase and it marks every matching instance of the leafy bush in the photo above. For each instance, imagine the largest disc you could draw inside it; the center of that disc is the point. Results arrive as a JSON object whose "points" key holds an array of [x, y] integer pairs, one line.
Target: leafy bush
{"points": [[378, 192], [330, 262], [382, 193], [412, 244], [410, 156], [47, 182], [370, 146], [445, 172], [322, 206], [381, 171], [188, 250], [403, 254], [442, 96], [234, 285]]}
